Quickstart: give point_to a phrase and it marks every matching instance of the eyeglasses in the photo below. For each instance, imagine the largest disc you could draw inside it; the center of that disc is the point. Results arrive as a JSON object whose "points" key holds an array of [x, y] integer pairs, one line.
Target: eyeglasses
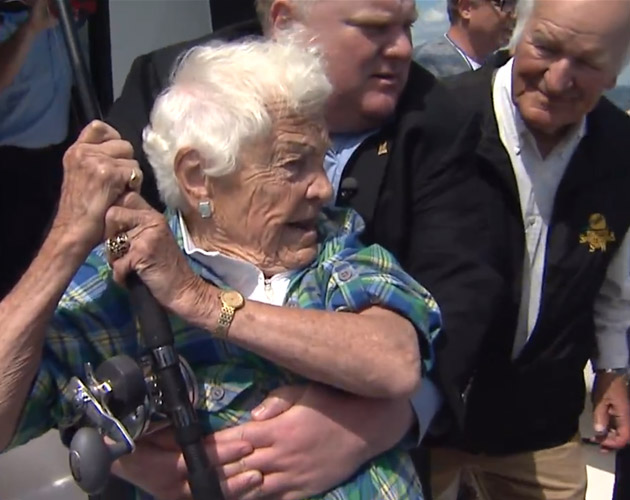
{"points": [[505, 5]]}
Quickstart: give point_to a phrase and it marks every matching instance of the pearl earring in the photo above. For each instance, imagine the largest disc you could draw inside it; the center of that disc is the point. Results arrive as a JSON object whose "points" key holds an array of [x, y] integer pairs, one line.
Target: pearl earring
{"points": [[205, 209]]}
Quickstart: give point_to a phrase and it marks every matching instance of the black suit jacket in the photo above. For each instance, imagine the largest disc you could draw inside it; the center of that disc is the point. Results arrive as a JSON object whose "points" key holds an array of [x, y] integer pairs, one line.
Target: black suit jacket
{"points": [[424, 206], [429, 210]]}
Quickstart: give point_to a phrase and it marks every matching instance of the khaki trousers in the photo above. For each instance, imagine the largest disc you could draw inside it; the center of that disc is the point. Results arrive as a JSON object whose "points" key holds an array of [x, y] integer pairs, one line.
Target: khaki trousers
{"points": [[553, 474]]}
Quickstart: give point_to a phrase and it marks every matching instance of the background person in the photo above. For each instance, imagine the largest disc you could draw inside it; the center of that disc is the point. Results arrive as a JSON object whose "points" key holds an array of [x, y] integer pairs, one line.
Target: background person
{"points": [[35, 91], [478, 28]]}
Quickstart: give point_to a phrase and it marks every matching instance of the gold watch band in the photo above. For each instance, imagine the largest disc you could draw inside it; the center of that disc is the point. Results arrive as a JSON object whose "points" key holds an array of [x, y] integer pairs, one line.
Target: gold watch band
{"points": [[225, 320], [231, 301]]}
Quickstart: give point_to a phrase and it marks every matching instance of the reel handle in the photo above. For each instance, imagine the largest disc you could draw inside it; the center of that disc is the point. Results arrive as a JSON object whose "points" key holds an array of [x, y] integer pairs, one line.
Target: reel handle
{"points": [[91, 459]]}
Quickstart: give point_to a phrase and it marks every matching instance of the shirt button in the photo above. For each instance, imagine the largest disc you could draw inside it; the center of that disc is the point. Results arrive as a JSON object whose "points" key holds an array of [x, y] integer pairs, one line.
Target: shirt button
{"points": [[217, 392], [345, 274]]}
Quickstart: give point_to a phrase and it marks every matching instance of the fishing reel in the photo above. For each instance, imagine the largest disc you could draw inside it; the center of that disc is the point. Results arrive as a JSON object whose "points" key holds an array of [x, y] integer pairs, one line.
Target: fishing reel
{"points": [[115, 405]]}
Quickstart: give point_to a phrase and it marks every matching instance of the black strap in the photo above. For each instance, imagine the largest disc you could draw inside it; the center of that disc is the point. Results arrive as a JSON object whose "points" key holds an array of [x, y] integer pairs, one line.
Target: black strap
{"points": [[363, 176]]}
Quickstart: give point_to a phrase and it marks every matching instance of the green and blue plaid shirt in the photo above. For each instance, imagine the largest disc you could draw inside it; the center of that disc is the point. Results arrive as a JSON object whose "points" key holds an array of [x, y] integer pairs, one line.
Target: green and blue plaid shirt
{"points": [[93, 322]]}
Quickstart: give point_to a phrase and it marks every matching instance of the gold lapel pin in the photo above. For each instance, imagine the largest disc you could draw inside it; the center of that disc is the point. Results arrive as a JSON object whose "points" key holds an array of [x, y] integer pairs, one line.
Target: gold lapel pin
{"points": [[598, 234]]}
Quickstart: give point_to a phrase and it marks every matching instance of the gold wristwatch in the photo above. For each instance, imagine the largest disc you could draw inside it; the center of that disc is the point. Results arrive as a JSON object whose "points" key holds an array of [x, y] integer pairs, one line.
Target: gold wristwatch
{"points": [[231, 301]]}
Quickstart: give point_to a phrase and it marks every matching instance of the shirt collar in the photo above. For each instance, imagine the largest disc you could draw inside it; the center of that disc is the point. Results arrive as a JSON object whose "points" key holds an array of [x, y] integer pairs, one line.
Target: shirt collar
{"points": [[235, 273], [509, 116], [345, 141], [472, 64]]}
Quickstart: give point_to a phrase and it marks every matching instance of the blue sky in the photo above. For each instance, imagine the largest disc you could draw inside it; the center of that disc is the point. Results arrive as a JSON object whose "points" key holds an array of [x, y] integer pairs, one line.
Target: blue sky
{"points": [[432, 22]]}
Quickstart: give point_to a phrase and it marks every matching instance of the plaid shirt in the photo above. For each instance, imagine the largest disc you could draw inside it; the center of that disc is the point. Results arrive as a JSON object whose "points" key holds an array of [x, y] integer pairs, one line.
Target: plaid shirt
{"points": [[94, 321]]}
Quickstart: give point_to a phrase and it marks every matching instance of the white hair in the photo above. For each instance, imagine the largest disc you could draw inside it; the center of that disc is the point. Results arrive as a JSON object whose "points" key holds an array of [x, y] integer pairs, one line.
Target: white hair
{"points": [[524, 11], [220, 97]]}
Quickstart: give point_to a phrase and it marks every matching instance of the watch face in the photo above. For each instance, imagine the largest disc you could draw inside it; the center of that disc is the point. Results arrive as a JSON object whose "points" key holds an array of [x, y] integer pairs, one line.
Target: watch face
{"points": [[232, 299]]}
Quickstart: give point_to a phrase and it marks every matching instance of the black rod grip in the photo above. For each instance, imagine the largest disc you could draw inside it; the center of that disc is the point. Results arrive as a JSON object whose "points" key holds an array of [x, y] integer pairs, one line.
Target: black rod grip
{"points": [[157, 335], [156, 329], [203, 480], [202, 485]]}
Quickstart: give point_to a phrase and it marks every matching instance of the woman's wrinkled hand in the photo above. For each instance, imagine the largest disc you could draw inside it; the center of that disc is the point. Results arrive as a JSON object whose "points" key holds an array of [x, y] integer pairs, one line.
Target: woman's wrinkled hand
{"points": [[97, 170], [152, 253]]}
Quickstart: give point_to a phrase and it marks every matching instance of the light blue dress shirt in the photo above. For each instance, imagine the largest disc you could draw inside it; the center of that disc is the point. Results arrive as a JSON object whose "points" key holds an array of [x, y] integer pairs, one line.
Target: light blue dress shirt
{"points": [[427, 400], [34, 108]]}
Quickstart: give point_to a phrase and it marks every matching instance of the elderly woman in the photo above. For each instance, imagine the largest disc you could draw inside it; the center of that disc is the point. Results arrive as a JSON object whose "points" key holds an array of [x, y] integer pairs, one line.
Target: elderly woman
{"points": [[263, 288]]}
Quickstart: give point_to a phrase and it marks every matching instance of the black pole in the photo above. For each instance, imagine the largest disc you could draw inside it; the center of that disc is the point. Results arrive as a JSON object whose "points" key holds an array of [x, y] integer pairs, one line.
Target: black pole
{"points": [[101, 55], [152, 319], [87, 96]]}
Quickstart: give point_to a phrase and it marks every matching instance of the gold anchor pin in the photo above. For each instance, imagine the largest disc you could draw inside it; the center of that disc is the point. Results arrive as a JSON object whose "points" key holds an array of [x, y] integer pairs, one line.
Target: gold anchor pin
{"points": [[382, 149]]}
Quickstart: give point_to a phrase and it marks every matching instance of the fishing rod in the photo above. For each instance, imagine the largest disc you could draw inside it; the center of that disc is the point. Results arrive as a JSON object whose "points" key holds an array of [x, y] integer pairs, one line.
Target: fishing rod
{"points": [[119, 385]]}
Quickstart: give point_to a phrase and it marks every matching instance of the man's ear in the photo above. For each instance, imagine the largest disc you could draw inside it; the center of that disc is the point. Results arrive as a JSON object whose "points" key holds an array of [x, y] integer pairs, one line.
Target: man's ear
{"points": [[465, 7], [281, 14], [612, 83], [189, 166]]}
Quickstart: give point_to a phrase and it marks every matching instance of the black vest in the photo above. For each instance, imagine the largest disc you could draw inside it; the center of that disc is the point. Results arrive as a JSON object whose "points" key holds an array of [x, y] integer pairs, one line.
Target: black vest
{"points": [[535, 401]]}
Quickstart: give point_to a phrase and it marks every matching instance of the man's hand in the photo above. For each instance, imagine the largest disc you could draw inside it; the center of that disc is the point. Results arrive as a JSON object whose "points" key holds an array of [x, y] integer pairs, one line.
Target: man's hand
{"points": [[611, 411], [304, 440], [310, 439], [157, 467], [40, 18]]}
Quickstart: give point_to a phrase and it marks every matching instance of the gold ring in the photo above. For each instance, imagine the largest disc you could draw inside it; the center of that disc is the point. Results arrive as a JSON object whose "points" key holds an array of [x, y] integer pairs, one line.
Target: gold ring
{"points": [[118, 246], [135, 179]]}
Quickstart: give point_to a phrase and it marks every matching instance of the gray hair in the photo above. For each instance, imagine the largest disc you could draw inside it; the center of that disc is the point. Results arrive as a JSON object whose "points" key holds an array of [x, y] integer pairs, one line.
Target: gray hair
{"points": [[219, 99], [524, 11]]}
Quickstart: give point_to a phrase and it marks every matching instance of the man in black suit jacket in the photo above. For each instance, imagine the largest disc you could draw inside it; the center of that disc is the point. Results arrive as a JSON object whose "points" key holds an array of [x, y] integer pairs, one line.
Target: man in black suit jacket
{"points": [[554, 158], [390, 160]]}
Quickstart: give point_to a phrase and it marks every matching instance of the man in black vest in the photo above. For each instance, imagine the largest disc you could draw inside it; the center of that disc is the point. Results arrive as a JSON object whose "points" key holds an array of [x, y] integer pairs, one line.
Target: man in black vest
{"points": [[390, 160], [554, 154]]}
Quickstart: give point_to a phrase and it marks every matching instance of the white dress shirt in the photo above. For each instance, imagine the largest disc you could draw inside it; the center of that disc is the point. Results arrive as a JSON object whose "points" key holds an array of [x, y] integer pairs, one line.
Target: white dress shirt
{"points": [[537, 179]]}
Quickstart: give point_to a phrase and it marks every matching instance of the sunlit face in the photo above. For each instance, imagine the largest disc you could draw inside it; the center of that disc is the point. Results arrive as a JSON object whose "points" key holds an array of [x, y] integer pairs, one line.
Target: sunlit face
{"points": [[268, 208], [367, 48], [492, 20], [570, 52]]}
